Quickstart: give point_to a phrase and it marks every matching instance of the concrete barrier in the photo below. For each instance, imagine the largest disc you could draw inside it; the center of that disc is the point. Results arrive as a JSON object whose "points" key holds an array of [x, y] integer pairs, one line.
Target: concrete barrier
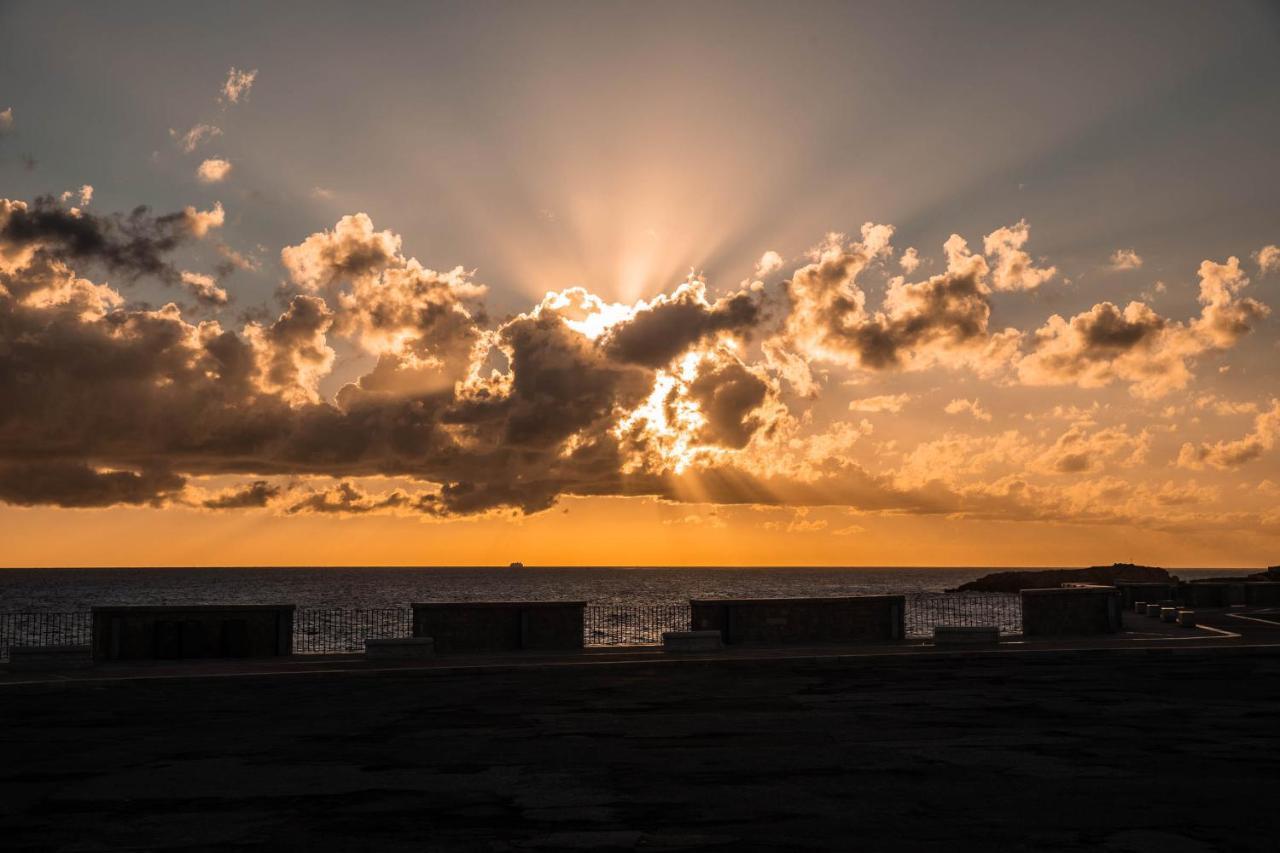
{"points": [[49, 658], [192, 632], [1187, 618], [692, 641], [870, 618], [493, 626], [399, 648], [1153, 609], [1168, 614], [966, 635], [1068, 612]]}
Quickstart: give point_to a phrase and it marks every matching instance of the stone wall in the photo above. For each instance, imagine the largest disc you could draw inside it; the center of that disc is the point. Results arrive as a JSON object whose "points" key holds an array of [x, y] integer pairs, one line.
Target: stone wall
{"points": [[1071, 611], [1262, 594], [184, 633], [802, 620], [494, 626], [1151, 593]]}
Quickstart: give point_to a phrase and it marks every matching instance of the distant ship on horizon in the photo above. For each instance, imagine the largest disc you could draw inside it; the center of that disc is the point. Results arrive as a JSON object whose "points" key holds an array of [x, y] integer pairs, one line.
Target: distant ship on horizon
{"points": [[516, 565]]}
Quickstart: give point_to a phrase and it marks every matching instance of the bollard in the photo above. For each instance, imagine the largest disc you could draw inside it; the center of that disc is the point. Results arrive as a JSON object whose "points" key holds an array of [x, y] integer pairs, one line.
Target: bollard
{"points": [[1187, 618], [1153, 610], [1168, 614]]}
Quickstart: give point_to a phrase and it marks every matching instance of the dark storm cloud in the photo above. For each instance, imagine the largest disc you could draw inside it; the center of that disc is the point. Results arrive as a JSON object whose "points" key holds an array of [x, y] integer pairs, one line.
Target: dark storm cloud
{"points": [[105, 403], [259, 493], [75, 484], [134, 245], [728, 394], [671, 324]]}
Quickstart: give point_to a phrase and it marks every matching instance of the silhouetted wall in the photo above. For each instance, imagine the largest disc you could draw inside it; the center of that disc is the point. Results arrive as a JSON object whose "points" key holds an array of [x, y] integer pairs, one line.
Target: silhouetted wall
{"points": [[181, 633], [1262, 594], [1148, 592], [491, 626], [801, 620], [1206, 594], [1071, 611]]}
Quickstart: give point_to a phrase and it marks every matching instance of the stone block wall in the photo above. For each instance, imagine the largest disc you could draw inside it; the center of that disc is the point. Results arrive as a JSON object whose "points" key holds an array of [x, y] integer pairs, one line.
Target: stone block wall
{"points": [[494, 626], [873, 618], [1070, 611], [186, 633]]}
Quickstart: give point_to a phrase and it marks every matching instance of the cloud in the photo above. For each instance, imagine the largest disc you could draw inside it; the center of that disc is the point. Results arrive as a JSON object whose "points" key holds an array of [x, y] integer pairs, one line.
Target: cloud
{"points": [[347, 499], [237, 86], [944, 318], [1125, 259], [135, 245], [909, 260], [321, 193], [1081, 450], [6, 121], [79, 485], [201, 222], [195, 137], [204, 288], [956, 407], [1233, 454], [352, 249], [1137, 345], [668, 325], [1268, 259], [259, 493], [1014, 269], [1225, 407], [769, 263], [683, 396], [880, 403], [213, 171]]}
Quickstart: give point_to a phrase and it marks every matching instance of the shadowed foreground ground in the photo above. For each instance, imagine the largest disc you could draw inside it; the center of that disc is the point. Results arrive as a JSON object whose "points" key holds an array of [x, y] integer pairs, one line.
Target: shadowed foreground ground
{"points": [[1095, 751]]}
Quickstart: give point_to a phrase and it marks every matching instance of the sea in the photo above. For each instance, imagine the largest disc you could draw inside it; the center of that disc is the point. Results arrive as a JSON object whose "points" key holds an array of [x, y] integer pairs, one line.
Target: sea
{"points": [[369, 587]]}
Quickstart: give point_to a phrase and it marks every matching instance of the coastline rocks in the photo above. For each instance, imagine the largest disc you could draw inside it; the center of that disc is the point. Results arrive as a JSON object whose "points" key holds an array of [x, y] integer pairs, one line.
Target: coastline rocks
{"points": [[1046, 578]]}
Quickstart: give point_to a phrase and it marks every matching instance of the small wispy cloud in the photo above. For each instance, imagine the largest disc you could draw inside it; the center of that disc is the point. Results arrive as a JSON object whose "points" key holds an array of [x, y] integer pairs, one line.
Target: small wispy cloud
{"points": [[193, 138], [1268, 258], [882, 403], [1125, 259], [237, 86], [973, 407], [213, 170]]}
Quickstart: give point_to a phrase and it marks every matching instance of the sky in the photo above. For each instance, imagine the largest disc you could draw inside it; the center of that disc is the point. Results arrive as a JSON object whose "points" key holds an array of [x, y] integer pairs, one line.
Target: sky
{"points": [[621, 284]]}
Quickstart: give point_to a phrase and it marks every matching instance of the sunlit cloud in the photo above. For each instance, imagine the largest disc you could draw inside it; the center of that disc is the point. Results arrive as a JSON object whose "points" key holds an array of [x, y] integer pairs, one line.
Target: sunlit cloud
{"points": [[213, 171], [1125, 259], [237, 86]]}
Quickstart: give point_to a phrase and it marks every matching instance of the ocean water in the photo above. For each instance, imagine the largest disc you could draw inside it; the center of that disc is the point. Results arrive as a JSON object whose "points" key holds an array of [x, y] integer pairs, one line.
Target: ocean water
{"points": [[374, 587]]}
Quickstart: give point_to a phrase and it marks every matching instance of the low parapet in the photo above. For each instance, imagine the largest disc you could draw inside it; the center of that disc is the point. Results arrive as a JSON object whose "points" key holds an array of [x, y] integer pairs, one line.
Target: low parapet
{"points": [[192, 632], [492, 626], [1070, 611], [867, 618]]}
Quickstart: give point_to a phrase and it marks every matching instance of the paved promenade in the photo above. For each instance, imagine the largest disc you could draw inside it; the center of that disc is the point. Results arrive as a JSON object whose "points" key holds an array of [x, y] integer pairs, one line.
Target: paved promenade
{"points": [[1162, 744]]}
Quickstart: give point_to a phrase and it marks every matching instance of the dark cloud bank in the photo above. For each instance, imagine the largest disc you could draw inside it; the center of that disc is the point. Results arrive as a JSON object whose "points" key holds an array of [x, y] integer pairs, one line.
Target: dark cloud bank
{"points": [[102, 403]]}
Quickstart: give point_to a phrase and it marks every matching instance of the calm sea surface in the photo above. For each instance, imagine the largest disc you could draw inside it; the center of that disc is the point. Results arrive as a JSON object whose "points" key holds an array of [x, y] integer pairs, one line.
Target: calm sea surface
{"points": [[369, 587]]}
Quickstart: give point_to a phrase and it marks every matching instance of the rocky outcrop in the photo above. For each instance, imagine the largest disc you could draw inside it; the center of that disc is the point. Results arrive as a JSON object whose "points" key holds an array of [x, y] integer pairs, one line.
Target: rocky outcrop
{"points": [[1045, 578]]}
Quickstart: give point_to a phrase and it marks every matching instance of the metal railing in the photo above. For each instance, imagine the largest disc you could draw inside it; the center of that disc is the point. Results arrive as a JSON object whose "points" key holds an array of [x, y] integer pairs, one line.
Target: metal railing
{"points": [[319, 631], [44, 629], [926, 611], [632, 625]]}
